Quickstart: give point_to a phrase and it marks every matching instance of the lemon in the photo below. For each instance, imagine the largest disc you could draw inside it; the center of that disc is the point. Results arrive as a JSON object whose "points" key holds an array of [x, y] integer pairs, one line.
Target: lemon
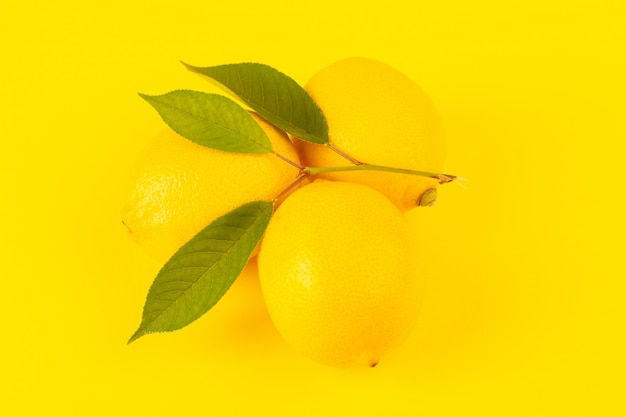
{"points": [[377, 115], [336, 273], [182, 187]]}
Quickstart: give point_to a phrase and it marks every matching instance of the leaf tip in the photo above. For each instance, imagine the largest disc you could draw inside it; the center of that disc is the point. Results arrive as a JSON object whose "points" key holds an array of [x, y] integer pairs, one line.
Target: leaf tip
{"points": [[144, 96], [140, 332], [190, 67]]}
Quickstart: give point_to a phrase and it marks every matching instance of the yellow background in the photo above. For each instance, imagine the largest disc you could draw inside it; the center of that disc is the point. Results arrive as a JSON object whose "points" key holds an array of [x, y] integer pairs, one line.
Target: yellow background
{"points": [[524, 314]]}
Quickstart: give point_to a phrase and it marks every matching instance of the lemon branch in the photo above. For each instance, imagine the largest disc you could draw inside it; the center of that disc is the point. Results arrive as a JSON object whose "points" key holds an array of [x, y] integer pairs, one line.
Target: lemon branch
{"points": [[425, 200], [306, 172], [442, 178], [344, 155], [362, 166], [301, 177], [289, 161]]}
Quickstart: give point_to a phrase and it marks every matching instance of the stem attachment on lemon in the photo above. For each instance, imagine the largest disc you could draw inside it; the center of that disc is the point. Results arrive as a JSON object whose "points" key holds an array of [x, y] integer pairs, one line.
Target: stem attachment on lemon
{"points": [[428, 199]]}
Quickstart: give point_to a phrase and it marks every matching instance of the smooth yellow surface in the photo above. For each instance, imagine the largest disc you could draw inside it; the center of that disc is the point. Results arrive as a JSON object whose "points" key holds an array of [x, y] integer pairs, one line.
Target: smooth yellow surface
{"points": [[340, 285], [181, 187], [525, 312], [378, 115]]}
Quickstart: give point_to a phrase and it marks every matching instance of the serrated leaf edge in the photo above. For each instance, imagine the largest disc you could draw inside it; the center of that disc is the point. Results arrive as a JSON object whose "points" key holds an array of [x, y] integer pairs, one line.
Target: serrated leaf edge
{"points": [[294, 130], [148, 98], [141, 331]]}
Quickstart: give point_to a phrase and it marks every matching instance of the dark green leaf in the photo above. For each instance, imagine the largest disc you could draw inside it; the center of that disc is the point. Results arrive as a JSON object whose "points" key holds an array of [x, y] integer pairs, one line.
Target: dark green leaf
{"points": [[201, 272], [211, 120], [275, 96]]}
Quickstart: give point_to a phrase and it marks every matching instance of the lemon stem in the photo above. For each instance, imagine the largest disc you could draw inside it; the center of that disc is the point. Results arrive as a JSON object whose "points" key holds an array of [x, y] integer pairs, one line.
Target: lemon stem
{"points": [[442, 178], [300, 178], [344, 155], [289, 161]]}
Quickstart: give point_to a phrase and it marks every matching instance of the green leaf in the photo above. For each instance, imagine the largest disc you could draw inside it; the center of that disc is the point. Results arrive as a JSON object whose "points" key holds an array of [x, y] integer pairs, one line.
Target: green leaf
{"points": [[201, 271], [275, 96], [211, 120]]}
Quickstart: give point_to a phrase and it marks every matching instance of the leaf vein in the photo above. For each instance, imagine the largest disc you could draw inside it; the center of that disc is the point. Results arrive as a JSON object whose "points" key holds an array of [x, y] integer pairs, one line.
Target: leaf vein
{"points": [[210, 122], [221, 261]]}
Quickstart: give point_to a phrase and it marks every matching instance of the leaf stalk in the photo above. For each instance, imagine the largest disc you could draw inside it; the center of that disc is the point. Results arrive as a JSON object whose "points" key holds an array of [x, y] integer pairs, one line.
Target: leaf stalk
{"points": [[289, 161]]}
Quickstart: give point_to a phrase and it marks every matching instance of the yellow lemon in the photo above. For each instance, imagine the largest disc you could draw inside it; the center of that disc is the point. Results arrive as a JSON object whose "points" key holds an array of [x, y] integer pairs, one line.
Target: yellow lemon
{"points": [[182, 187], [336, 273], [377, 115]]}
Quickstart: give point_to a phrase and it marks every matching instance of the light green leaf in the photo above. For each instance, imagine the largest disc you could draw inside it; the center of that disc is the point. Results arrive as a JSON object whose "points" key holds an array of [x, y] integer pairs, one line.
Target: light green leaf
{"points": [[275, 96], [211, 120], [201, 272]]}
